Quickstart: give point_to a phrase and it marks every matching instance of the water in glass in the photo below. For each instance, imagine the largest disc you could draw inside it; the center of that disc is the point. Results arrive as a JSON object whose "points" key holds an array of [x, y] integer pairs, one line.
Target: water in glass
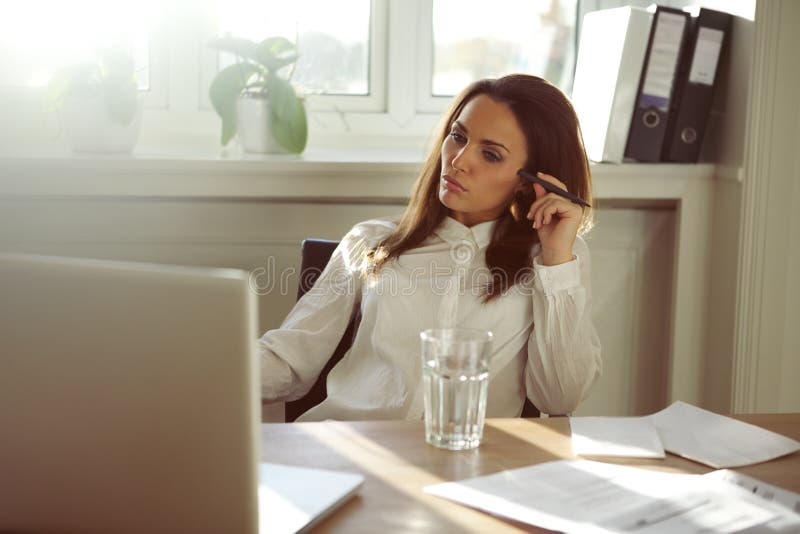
{"points": [[455, 402]]}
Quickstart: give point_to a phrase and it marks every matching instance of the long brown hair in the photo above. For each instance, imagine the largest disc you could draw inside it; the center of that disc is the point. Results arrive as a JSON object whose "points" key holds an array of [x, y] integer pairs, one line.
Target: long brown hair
{"points": [[555, 147]]}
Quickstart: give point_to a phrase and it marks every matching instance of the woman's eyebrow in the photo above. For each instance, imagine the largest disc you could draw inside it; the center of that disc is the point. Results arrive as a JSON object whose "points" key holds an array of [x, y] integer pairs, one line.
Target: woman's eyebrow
{"points": [[482, 141]]}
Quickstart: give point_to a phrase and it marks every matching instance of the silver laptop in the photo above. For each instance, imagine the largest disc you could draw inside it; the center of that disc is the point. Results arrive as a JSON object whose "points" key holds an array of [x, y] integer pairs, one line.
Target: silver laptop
{"points": [[129, 403]]}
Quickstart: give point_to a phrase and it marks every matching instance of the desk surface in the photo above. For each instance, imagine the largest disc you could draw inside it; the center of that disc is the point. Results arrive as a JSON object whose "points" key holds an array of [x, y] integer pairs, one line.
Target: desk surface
{"points": [[396, 462]]}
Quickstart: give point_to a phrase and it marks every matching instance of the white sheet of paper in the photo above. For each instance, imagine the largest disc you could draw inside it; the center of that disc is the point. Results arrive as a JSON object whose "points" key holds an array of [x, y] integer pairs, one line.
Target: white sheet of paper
{"points": [[586, 496], [789, 499], [716, 440], [293, 499], [785, 522], [634, 437]]}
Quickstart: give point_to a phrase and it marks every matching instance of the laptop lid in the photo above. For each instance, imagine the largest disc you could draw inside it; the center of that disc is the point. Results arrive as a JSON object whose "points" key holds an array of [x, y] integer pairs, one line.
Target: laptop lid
{"points": [[128, 398]]}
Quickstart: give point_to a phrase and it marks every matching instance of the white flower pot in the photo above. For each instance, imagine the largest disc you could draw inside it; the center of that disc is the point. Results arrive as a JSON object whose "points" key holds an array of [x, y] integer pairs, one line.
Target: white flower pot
{"points": [[88, 127], [253, 126]]}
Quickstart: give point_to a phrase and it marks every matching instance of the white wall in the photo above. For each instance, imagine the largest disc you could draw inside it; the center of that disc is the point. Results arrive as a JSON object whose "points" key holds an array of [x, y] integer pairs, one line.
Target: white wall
{"points": [[632, 251], [724, 145], [247, 212]]}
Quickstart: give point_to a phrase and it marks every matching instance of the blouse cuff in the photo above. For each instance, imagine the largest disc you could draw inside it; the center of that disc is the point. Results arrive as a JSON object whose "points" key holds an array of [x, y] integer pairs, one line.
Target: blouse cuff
{"points": [[276, 375], [554, 278]]}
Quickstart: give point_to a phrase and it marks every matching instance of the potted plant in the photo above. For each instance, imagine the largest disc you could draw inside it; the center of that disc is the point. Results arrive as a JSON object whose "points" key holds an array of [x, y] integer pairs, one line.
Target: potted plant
{"points": [[99, 103], [253, 100]]}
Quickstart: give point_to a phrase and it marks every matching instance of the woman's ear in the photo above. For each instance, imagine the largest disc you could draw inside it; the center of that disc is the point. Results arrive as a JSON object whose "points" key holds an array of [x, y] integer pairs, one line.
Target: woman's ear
{"points": [[522, 187]]}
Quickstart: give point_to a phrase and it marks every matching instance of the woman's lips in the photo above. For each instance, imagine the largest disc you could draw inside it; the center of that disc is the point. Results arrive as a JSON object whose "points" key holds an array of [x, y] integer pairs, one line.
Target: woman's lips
{"points": [[451, 184]]}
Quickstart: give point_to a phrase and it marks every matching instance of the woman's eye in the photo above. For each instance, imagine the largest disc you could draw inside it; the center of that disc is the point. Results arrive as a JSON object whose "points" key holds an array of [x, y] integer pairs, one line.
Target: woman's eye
{"points": [[491, 156], [457, 136]]}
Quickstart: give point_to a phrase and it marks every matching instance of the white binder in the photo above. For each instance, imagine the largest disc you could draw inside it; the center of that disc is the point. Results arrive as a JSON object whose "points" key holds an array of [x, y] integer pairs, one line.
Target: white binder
{"points": [[610, 58]]}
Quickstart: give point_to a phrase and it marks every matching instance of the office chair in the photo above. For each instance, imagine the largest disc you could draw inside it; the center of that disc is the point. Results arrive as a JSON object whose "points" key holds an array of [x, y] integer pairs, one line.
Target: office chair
{"points": [[315, 254]]}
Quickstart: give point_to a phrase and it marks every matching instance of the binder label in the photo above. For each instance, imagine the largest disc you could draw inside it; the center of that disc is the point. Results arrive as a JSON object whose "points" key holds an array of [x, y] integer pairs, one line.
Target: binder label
{"points": [[706, 55], [663, 61]]}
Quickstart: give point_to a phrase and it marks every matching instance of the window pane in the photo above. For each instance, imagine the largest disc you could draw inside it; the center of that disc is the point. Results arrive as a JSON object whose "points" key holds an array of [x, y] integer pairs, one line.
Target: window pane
{"points": [[39, 37], [473, 39], [333, 38], [741, 8]]}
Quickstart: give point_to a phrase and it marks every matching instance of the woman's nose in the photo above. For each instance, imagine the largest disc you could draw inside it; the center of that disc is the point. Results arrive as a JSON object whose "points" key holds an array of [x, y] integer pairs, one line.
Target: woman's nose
{"points": [[461, 159]]}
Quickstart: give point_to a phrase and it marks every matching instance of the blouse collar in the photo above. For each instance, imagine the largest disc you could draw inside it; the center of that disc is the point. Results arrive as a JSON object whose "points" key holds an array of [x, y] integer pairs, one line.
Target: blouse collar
{"points": [[453, 232]]}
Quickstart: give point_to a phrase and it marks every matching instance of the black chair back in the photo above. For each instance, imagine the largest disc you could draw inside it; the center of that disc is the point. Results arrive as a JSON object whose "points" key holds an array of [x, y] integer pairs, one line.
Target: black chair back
{"points": [[315, 254]]}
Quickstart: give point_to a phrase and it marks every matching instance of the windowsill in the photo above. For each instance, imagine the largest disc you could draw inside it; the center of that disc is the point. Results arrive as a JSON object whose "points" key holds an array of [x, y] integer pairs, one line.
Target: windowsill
{"points": [[231, 154], [318, 174]]}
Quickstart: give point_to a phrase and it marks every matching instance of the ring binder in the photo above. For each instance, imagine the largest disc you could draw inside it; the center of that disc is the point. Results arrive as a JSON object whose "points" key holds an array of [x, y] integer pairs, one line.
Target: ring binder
{"points": [[656, 86], [609, 66], [696, 86]]}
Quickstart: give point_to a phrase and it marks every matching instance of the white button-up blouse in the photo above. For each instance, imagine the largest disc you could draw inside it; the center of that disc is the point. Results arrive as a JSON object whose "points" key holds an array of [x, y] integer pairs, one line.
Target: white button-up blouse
{"points": [[544, 345]]}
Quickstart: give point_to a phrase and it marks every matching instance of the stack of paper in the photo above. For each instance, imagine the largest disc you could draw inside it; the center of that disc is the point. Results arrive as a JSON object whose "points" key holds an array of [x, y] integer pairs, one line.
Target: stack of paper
{"points": [[681, 429], [585, 496], [634, 437], [716, 440]]}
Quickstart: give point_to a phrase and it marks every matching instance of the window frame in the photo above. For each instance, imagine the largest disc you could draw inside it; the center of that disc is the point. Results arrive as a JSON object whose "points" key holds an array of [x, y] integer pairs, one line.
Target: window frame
{"points": [[399, 111], [375, 100], [426, 101]]}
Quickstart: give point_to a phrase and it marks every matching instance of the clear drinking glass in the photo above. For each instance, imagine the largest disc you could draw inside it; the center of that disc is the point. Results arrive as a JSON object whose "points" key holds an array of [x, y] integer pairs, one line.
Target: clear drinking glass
{"points": [[455, 373]]}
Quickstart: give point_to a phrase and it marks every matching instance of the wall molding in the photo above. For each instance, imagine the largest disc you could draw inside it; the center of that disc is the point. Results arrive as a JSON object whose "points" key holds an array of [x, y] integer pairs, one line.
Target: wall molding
{"points": [[753, 226], [765, 210]]}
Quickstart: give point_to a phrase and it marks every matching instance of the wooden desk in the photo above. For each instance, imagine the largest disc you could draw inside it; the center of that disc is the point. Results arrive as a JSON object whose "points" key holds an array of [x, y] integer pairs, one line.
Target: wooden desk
{"points": [[397, 463]]}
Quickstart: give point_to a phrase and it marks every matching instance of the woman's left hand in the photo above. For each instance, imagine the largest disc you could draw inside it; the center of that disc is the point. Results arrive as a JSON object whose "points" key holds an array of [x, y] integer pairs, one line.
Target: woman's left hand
{"points": [[557, 220]]}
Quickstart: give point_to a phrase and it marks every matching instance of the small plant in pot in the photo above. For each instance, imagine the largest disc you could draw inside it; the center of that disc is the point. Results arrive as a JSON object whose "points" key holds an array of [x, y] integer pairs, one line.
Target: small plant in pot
{"points": [[253, 100], [99, 103]]}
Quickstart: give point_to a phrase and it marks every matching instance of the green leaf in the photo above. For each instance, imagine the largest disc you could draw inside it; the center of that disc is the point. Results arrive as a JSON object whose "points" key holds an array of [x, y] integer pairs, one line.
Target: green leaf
{"points": [[275, 52], [291, 135], [288, 115], [277, 46], [110, 78], [235, 45], [57, 89], [80, 79], [224, 90], [283, 99]]}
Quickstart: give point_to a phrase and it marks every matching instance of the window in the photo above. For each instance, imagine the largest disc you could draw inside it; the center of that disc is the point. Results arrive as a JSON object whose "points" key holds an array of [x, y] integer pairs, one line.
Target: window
{"points": [[469, 42], [339, 44], [375, 72], [332, 37], [36, 46]]}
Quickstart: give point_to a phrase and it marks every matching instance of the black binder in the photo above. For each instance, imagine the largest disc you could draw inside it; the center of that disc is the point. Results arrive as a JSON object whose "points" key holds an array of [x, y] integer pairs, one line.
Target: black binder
{"points": [[696, 85], [656, 85]]}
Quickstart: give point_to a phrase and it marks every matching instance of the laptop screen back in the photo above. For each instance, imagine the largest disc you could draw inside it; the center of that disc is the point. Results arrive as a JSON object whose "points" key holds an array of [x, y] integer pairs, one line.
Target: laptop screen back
{"points": [[128, 398]]}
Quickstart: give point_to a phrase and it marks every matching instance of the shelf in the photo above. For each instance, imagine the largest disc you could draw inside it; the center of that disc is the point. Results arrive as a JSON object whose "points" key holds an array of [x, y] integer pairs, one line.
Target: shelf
{"points": [[331, 175]]}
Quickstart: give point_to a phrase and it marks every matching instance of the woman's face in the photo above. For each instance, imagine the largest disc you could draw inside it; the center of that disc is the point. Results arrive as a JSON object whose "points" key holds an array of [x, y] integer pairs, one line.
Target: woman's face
{"points": [[480, 159]]}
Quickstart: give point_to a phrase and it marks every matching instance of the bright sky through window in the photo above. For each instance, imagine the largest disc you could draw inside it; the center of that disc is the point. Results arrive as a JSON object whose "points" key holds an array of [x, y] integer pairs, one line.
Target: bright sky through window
{"points": [[334, 38], [38, 37], [471, 41]]}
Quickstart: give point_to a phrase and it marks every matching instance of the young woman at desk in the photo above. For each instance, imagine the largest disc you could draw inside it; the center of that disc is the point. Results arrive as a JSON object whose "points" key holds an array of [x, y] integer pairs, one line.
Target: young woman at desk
{"points": [[479, 247]]}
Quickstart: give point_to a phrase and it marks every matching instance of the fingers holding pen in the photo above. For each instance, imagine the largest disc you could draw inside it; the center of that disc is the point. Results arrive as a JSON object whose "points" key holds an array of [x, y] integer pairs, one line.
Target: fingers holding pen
{"points": [[544, 183], [552, 179], [544, 208], [553, 201]]}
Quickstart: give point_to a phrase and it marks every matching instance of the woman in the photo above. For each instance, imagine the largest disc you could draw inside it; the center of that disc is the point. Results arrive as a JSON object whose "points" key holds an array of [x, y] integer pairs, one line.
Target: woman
{"points": [[477, 247]]}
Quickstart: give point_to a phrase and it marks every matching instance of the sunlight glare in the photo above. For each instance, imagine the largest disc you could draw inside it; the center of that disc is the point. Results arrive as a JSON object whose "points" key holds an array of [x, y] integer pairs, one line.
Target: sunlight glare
{"points": [[257, 19], [40, 36], [371, 457]]}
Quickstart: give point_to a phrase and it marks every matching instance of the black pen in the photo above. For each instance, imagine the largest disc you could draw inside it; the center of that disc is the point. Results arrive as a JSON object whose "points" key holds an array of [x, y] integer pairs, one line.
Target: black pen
{"points": [[553, 188]]}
